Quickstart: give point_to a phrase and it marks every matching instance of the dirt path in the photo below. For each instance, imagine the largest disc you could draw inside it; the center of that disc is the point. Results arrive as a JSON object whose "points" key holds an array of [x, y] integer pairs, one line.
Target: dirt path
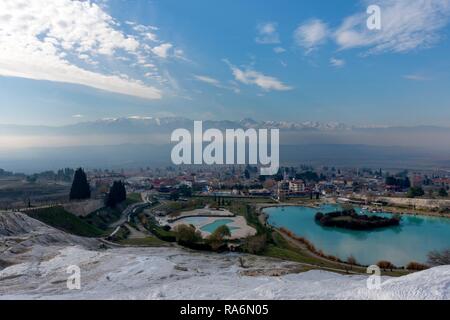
{"points": [[135, 234]]}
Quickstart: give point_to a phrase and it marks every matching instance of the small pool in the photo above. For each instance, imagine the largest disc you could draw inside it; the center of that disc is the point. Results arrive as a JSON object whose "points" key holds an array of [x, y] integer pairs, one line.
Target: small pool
{"points": [[196, 221], [218, 223]]}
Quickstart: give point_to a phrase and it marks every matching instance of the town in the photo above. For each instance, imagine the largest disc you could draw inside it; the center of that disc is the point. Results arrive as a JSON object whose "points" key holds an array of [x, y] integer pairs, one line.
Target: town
{"points": [[356, 185]]}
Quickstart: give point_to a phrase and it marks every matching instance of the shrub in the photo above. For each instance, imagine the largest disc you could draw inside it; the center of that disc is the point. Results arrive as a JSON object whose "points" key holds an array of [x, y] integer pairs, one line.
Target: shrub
{"points": [[187, 234], [216, 239], [443, 193], [220, 233], [414, 192], [332, 258], [143, 219], [415, 266], [255, 244], [385, 265]]}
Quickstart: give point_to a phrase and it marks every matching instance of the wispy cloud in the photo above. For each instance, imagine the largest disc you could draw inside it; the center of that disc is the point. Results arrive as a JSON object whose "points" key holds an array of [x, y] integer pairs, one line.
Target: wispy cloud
{"points": [[51, 45], [216, 83], [406, 25], [337, 62], [267, 33], [279, 49], [415, 77], [140, 118], [311, 34], [162, 50], [252, 77], [207, 80]]}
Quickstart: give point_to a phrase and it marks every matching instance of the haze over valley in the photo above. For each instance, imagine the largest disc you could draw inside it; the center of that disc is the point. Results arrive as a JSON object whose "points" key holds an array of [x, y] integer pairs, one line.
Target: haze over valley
{"points": [[141, 141]]}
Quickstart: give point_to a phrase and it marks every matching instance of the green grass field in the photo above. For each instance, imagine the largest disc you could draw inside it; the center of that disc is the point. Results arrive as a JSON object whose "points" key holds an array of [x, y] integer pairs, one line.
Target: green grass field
{"points": [[60, 219], [133, 198], [102, 218]]}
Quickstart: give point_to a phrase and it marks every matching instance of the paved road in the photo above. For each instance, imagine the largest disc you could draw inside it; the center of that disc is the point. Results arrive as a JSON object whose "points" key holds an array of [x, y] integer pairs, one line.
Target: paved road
{"points": [[128, 212]]}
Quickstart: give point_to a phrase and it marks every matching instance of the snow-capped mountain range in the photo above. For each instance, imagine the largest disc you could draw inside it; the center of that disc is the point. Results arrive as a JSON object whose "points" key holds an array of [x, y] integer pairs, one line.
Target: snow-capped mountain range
{"points": [[138, 124]]}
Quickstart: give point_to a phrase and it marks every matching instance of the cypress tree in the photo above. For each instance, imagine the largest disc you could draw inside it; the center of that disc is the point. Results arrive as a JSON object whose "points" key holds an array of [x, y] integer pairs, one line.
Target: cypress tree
{"points": [[80, 187], [117, 194]]}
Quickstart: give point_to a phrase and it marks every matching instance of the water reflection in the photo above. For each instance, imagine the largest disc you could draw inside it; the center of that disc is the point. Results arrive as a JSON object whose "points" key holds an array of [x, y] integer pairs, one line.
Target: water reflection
{"points": [[411, 241]]}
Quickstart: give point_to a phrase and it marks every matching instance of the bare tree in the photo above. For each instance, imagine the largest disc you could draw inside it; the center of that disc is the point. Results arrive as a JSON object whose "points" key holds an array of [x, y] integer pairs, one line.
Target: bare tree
{"points": [[385, 265], [439, 258], [351, 261]]}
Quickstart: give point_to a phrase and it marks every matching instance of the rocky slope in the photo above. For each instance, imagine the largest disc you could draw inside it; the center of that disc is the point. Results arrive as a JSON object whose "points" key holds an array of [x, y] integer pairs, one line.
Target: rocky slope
{"points": [[23, 238], [39, 271]]}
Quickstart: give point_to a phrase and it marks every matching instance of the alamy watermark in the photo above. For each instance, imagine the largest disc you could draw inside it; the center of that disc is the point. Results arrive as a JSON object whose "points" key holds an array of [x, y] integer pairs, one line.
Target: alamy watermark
{"points": [[74, 280], [235, 146], [374, 281], [374, 20]]}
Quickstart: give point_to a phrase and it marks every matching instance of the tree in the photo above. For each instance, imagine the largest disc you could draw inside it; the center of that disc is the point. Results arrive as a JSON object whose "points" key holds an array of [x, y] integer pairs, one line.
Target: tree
{"points": [[187, 234], [415, 266], [351, 261], [216, 239], [308, 176], [401, 182], [117, 194], [220, 233], [247, 174], [443, 193], [414, 192], [80, 187], [385, 265], [185, 191], [279, 176], [174, 195]]}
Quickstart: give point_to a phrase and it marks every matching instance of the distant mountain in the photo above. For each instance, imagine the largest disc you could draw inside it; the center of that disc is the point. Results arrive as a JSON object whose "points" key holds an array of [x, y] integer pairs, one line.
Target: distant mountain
{"points": [[142, 141], [134, 125]]}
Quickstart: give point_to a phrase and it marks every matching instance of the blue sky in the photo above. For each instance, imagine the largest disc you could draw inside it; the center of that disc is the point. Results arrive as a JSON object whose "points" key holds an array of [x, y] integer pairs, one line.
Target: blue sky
{"points": [[280, 60]]}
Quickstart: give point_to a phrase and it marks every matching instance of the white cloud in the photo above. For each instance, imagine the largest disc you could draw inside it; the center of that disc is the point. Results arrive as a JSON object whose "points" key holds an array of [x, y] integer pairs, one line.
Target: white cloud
{"points": [[252, 77], [216, 83], [311, 34], [151, 36], [279, 49], [405, 25], [267, 33], [44, 44], [77, 116], [207, 80], [162, 50], [415, 77], [179, 54], [337, 62], [140, 118]]}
